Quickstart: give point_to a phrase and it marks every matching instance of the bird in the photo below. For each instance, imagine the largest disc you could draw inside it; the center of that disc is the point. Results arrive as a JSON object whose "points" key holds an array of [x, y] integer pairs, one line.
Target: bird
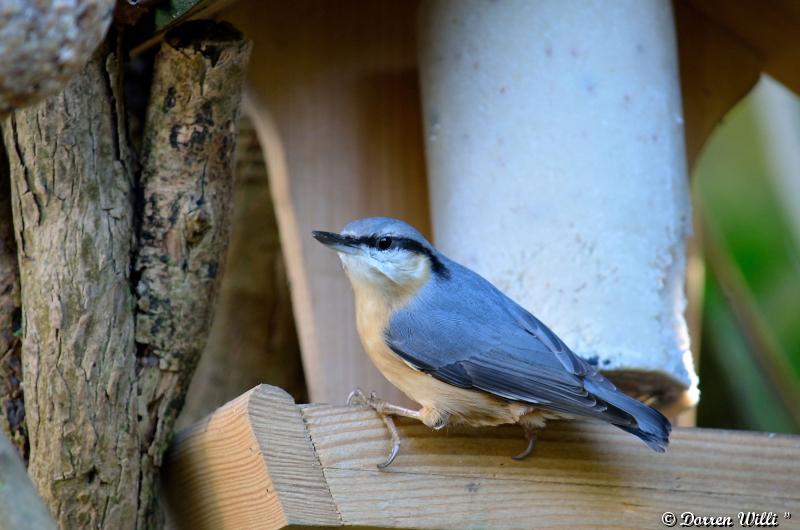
{"points": [[464, 351]]}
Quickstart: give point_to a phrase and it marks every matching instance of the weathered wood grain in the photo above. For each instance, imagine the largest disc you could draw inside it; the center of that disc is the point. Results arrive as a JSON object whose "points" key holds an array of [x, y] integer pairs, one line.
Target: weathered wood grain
{"points": [[248, 465], [73, 220], [768, 27], [164, 15], [186, 182], [253, 338], [718, 68], [335, 101], [582, 474]]}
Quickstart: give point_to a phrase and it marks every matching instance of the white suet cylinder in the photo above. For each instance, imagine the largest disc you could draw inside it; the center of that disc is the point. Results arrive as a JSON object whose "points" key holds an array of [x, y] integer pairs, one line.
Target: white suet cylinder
{"points": [[556, 162]]}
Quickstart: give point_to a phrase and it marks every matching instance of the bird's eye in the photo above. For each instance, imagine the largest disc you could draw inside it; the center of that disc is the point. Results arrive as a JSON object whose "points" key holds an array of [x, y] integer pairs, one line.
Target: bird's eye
{"points": [[384, 243]]}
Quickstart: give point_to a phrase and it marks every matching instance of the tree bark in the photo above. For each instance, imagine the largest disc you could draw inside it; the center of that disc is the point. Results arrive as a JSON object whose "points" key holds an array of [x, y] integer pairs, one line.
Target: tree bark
{"points": [[73, 219], [12, 402], [253, 338], [105, 370], [187, 175]]}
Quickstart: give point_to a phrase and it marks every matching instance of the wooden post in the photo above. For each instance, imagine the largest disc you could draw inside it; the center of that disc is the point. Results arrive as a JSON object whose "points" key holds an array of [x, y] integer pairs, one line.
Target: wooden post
{"points": [[263, 462], [334, 98], [186, 181]]}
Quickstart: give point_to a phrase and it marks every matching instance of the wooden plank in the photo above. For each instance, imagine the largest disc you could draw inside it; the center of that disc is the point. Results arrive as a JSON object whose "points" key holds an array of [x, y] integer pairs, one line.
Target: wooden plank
{"points": [[770, 27], [582, 474], [248, 465], [717, 70], [335, 101]]}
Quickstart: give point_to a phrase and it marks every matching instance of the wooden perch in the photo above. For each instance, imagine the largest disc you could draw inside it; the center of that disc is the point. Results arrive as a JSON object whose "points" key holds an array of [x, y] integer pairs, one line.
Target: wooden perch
{"points": [[263, 462]]}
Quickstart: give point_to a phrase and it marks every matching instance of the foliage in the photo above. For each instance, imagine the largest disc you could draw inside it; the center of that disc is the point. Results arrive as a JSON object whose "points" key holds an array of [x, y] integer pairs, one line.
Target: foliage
{"points": [[739, 207]]}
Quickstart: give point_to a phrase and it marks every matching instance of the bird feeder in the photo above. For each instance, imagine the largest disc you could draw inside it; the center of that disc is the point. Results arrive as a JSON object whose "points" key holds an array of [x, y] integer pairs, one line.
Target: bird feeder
{"points": [[556, 163]]}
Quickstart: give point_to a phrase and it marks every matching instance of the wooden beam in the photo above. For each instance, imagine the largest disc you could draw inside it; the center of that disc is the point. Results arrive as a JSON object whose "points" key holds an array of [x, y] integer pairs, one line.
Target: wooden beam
{"points": [[263, 462], [718, 69], [770, 27], [334, 99]]}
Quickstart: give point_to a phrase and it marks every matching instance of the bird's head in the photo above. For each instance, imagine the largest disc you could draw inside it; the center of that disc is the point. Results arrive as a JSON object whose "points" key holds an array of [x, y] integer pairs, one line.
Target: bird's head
{"points": [[384, 253]]}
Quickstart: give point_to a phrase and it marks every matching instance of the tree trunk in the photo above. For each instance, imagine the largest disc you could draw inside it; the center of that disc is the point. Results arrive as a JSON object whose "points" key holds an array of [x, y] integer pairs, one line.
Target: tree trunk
{"points": [[106, 371], [12, 402], [187, 176], [73, 218]]}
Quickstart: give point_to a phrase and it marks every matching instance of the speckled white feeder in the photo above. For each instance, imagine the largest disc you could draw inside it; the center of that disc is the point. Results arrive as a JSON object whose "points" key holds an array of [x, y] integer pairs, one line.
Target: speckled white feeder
{"points": [[556, 161], [43, 43]]}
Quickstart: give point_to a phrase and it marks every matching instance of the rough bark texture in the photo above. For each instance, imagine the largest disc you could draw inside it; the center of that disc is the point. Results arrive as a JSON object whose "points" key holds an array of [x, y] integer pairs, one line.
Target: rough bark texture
{"points": [[187, 174], [43, 43], [253, 338], [12, 402], [21, 507], [73, 219]]}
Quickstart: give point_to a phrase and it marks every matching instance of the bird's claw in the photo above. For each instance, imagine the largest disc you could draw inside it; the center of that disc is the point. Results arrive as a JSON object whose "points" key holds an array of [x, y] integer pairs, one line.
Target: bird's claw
{"points": [[395, 441], [357, 398], [531, 437]]}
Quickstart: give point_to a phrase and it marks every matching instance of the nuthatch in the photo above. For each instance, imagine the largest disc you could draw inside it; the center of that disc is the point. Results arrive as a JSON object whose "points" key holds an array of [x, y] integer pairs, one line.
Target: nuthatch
{"points": [[464, 351]]}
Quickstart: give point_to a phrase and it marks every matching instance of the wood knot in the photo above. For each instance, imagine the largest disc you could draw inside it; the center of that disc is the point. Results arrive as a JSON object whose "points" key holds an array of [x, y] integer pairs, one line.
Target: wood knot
{"points": [[197, 224]]}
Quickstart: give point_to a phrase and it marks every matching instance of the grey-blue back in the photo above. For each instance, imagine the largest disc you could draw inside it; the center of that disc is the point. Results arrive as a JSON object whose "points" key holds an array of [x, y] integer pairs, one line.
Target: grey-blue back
{"points": [[462, 330]]}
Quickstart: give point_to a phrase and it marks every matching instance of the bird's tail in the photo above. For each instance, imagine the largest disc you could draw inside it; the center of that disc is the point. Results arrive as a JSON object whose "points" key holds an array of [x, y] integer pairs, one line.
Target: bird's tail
{"points": [[651, 426]]}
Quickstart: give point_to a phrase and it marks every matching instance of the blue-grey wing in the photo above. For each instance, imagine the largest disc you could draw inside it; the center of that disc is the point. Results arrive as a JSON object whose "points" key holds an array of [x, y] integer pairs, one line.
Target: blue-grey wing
{"points": [[475, 337]]}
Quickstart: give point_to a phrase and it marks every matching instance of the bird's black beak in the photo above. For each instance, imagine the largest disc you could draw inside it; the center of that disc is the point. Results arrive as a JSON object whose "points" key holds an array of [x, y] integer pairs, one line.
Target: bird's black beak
{"points": [[337, 242]]}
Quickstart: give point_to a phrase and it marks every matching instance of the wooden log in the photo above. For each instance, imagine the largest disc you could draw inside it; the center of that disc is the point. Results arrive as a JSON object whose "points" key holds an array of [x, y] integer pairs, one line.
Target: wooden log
{"points": [[43, 43], [73, 221], [12, 400], [21, 507], [263, 462], [162, 16], [334, 98], [187, 175], [253, 337]]}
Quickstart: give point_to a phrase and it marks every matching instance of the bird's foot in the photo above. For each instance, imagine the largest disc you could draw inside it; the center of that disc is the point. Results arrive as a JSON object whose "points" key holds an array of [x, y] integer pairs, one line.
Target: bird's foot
{"points": [[385, 411], [531, 437], [357, 399]]}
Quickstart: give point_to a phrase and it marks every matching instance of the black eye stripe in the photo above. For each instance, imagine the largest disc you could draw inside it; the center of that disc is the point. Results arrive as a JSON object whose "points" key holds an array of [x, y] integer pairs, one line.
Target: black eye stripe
{"points": [[408, 244]]}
